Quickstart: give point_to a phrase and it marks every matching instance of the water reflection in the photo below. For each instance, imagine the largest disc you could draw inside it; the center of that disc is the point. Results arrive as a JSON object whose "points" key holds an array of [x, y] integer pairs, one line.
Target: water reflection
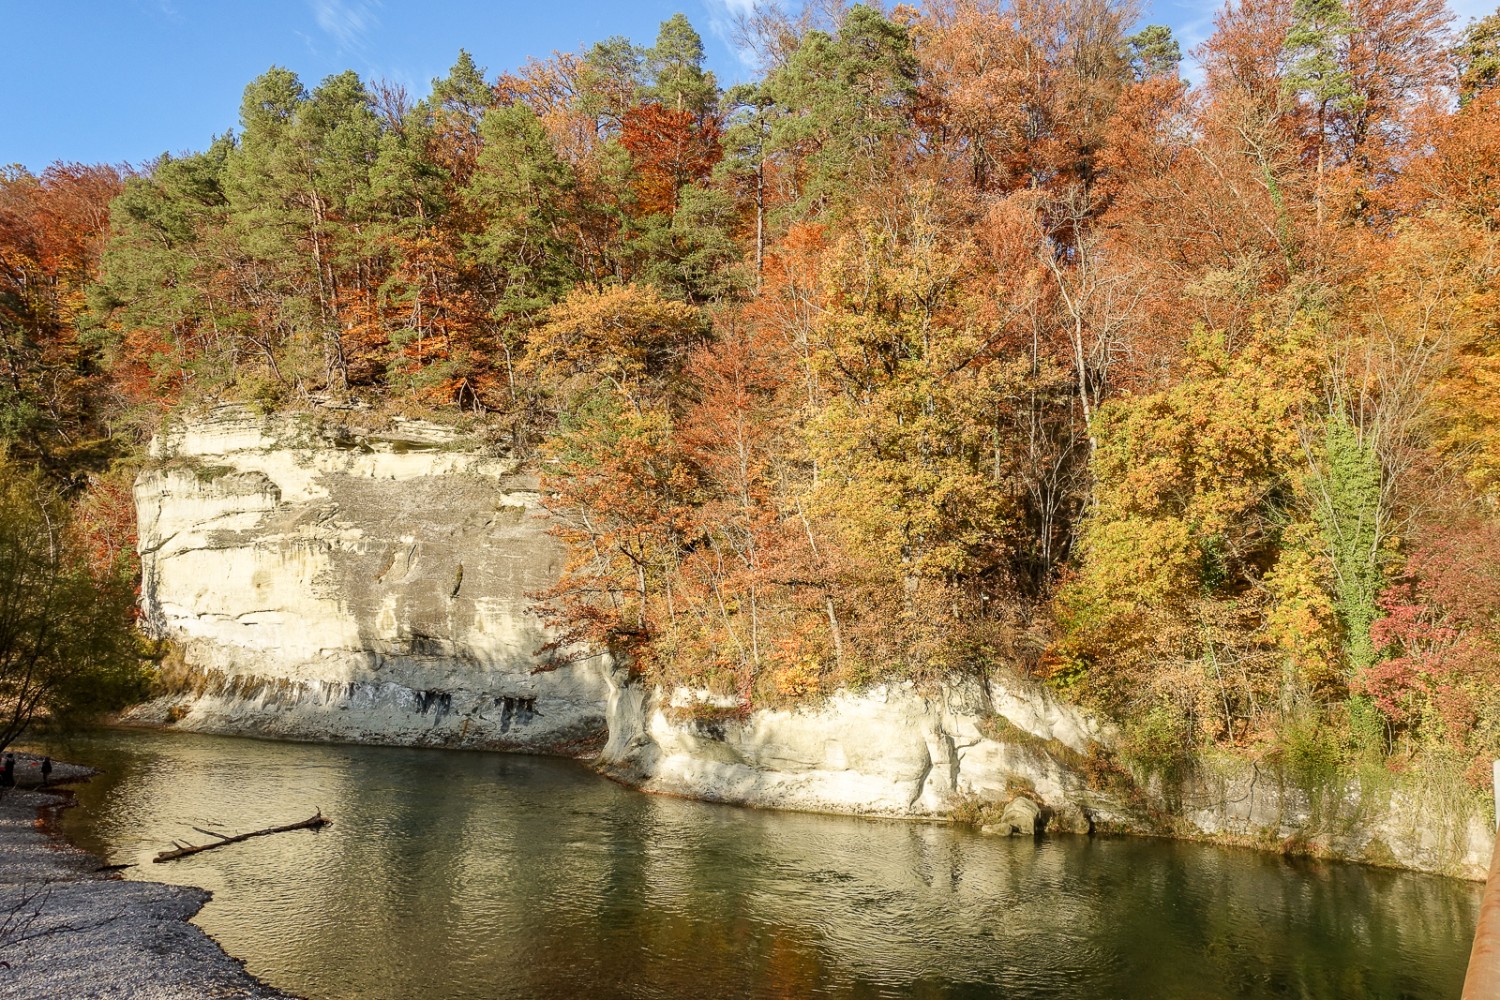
{"points": [[452, 874]]}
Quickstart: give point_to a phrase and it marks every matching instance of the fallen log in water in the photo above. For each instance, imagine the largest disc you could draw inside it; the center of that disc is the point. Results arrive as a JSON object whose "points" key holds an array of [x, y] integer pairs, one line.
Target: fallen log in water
{"points": [[314, 822]]}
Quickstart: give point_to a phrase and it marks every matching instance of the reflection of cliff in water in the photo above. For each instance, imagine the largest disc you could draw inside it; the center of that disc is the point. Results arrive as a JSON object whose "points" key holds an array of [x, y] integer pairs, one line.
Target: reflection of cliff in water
{"points": [[461, 875]]}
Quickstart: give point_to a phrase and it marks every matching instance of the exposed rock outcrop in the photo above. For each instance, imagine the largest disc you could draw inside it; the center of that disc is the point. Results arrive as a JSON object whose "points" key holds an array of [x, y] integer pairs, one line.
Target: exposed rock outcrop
{"points": [[981, 749], [320, 581], [890, 750], [1021, 818]]}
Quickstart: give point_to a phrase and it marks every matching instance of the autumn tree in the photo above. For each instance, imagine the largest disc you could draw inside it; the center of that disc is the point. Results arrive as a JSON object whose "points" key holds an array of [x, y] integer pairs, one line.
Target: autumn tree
{"points": [[52, 236], [669, 150], [1478, 56], [67, 644], [969, 336], [1195, 507]]}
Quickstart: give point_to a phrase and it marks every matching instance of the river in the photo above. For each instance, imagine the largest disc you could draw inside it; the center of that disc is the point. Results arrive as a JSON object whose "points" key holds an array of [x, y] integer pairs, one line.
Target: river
{"points": [[451, 874]]}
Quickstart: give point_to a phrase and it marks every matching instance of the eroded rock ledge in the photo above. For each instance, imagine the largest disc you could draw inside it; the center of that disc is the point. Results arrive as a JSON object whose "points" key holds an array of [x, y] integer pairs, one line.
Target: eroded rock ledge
{"points": [[974, 747]]}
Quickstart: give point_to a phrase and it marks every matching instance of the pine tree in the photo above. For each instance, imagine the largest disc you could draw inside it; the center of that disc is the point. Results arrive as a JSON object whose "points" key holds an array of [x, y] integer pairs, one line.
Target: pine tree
{"points": [[674, 66], [1316, 71], [847, 98], [1478, 57], [1154, 52]]}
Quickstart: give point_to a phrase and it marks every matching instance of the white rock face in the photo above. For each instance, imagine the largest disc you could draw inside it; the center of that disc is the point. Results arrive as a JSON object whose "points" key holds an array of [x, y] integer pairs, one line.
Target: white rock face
{"points": [[1412, 822], [886, 751], [332, 583], [893, 751]]}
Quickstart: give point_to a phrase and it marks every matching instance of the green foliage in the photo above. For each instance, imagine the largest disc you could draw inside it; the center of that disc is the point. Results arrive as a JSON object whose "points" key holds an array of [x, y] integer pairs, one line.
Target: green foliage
{"points": [[845, 99], [1314, 45], [1154, 52], [1347, 506], [691, 254], [1158, 743], [674, 65], [154, 271], [1313, 752], [67, 643], [525, 192], [463, 91], [1478, 57], [611, 80]]}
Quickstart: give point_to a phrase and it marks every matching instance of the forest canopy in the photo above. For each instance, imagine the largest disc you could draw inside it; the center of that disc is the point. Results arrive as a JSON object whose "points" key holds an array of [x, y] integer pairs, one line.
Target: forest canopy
{"points": [[968, 336]]}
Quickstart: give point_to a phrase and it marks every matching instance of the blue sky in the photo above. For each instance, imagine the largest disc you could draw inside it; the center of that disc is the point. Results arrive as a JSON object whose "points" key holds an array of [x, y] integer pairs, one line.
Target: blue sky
{"points": [[125, 80]]}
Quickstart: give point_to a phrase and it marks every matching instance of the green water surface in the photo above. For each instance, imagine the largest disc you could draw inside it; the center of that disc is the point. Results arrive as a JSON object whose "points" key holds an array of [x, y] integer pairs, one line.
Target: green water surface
{"points": [[452, 874]]}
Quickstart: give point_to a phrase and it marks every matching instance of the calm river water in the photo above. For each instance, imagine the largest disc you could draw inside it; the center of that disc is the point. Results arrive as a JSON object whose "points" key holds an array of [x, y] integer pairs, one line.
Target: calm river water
{"points": [[449, 874]]}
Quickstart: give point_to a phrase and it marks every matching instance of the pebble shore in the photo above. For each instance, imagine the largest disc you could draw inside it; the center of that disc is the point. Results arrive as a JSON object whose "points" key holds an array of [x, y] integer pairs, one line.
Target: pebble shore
{"points": [[71, 931]]}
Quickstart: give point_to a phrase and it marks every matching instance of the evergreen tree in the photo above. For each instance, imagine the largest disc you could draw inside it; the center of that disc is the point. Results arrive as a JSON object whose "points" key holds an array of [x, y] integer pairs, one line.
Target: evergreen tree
{"points": [[675, 68], [298, 187], [1316, 72], [453, 112], [746, 140], [609, 82], [1154, 52], [524, 192], [846, 99], [691, 253]]}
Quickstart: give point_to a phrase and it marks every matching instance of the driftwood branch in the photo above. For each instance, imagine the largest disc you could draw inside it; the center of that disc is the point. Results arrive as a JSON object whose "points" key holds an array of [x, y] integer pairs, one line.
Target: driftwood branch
{"points": [[314, 822]]}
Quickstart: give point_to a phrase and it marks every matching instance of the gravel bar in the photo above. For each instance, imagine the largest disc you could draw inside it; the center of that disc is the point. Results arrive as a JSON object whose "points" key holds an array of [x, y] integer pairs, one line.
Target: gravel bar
{"points": [[73, 932]]}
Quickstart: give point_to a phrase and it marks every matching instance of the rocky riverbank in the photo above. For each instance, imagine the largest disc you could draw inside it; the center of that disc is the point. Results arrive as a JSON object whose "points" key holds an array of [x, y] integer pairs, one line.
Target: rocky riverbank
{"points": [[71, 930], [316, 579], [971, 749]]}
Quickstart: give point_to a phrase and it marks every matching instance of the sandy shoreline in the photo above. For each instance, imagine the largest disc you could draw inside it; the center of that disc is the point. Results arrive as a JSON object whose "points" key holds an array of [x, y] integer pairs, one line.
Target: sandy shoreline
{"points": [[68, 930]]}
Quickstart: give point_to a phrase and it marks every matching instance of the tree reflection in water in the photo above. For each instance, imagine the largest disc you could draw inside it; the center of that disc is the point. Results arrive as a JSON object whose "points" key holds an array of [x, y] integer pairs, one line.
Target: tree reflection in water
{"points": [[450, 874]]}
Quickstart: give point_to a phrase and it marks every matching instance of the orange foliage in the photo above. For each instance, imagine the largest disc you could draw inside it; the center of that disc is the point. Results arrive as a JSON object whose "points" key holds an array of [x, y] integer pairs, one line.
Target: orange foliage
{"points": [[105, 524], [670, 149]]}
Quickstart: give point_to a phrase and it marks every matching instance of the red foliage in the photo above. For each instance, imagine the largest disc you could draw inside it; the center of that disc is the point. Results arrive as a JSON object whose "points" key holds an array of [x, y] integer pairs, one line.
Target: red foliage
{"points": [[670, 149], [145, 369], [1461, 170], [1442, 620]]}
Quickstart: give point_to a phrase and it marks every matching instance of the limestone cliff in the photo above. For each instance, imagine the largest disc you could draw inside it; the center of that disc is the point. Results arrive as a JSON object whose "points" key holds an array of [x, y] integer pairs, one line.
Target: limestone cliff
{"points": [[889, 750], [320, 581], [971, 748]]}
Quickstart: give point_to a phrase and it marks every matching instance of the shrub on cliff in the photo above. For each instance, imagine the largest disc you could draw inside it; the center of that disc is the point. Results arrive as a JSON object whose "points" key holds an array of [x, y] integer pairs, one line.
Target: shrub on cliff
{"points": [[67, 642]]}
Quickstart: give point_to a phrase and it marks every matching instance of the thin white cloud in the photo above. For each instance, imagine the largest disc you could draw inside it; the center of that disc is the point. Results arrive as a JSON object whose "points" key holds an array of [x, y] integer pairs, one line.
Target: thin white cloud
{"points": [[721, 15], [347, 22], [1192, 24]]}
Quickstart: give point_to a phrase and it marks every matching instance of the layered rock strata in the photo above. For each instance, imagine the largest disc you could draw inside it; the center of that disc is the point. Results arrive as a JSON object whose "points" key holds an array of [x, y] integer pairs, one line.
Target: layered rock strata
{"points": [[974, 748], [322, 581]]}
